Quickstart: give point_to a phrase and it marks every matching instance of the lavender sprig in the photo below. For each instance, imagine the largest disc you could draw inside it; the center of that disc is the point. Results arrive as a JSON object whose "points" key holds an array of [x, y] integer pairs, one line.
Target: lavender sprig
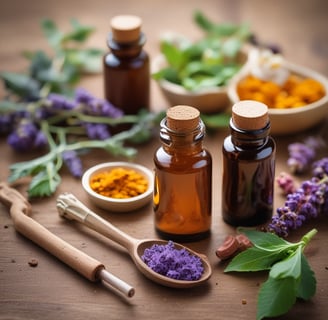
{"points": [[44, 170], [307, 202]]}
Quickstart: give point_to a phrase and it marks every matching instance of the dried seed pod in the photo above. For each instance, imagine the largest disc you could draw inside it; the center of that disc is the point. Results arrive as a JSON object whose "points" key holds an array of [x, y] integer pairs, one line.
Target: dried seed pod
{"points": [[244, 242], [228, 249]]}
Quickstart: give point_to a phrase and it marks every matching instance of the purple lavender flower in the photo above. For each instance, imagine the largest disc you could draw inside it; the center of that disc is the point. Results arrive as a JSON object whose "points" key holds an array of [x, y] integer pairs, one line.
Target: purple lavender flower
{"points": [[73, 163], [97, 131], [59, 102], [40, 140], [101, 107], [26, 137], [301, 155], [320, 168], [307, 202], [83, 96], [95, 106], [173, 263]]}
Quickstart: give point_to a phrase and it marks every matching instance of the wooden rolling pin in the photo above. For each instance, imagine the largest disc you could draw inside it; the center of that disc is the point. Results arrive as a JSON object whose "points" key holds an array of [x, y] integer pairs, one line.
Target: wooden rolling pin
{"points": [[90, 268]]}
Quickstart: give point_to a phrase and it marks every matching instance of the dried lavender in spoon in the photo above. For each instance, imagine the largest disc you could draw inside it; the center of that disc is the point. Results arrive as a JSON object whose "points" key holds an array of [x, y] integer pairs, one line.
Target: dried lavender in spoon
{"points": [[174, 263]]}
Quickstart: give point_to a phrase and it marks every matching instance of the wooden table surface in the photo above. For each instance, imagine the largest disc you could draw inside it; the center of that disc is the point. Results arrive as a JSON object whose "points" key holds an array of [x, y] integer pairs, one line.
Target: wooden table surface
{"points": [[54, 291]]}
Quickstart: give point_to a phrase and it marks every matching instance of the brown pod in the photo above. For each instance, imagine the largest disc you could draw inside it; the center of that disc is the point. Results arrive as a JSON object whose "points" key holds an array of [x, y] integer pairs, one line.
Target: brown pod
{"points": [[228, 249], [244, 242]]}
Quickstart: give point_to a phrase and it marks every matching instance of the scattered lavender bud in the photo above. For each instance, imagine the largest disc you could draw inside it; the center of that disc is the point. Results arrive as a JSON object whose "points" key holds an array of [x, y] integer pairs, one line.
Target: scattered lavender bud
{"points": [[286, 183]]}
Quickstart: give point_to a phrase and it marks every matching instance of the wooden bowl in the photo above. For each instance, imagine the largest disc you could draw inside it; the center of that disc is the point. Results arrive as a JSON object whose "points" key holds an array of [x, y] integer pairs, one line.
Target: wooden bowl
{"points": [[113, 204], [209, 100], [291, 120]]}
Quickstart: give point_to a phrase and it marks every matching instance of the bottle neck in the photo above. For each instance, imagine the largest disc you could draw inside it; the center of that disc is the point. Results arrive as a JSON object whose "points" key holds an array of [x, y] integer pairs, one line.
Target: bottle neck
{"points": [[126, 50], [249, 138], [182, 141]]}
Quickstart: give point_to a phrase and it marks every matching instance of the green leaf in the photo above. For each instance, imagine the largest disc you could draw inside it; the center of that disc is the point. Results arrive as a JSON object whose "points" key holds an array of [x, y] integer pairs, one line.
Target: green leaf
{"points": [[289, 267], [265, 240], [24, 169], [224, 29], [80, 32], [169, 74], [173, 55], [276, 297], [221, 29], [307, 286], [52, 33], [45, 182], [39, 62], [87, 60], [254, 259], [21, 84]]}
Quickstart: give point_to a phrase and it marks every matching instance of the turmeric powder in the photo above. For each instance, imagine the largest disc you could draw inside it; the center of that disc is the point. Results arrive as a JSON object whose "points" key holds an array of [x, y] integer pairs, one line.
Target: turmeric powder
{"points": [[295, 92], [119, 183]]}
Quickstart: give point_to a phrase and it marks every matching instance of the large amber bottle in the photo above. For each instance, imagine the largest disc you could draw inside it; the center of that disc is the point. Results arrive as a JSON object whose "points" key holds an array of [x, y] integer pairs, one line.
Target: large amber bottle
{"points": [[126, 66], [248, 166], [183, 177]]}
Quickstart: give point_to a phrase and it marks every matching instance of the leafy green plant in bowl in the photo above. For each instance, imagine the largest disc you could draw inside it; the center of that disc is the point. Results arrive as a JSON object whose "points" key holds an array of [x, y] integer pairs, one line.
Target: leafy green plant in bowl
{"points": [[197, 73]]}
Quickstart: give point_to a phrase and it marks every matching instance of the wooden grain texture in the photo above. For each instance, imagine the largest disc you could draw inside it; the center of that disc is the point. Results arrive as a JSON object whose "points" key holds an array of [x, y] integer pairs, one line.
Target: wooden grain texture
{"points": [[54, 291]]}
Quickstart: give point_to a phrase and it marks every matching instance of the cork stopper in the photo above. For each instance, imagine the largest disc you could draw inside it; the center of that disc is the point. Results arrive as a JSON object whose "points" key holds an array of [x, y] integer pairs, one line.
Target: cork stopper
{"points": [[182, 118], [250, 115], [126, 28]]}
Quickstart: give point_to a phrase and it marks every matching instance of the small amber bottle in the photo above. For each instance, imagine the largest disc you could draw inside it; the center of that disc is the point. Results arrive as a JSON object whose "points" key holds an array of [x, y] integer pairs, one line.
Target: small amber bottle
{"points": [[183, 177], [126, 66], [248, 166]]}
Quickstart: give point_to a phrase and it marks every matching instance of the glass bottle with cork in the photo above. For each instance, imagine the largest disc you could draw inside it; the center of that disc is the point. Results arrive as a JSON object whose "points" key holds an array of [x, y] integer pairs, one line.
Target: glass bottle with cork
{"points": [[126, 66], [183, 177], [248, 166]]}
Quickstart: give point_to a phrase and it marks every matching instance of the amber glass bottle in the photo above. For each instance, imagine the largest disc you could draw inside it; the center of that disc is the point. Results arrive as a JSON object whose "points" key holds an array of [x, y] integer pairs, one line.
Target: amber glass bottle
{"points": [[248, 166], [183, 178], [126, 66]]}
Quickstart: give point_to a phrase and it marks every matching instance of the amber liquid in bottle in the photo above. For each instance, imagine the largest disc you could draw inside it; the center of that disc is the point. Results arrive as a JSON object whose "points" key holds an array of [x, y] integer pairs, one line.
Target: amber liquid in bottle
{"points": [[248, 176], [183, 184], [126, 68]]}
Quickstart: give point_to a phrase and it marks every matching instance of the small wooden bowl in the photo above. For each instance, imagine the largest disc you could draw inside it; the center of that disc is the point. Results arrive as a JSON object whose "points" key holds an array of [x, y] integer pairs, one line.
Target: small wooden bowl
{"points": [[113, 204], [291, 120], [209, 100]]}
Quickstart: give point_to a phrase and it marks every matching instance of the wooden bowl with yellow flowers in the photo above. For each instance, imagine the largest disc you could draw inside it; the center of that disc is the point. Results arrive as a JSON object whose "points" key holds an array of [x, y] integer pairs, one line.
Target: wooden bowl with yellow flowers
{"points": [[297, 97], [118, 186]]}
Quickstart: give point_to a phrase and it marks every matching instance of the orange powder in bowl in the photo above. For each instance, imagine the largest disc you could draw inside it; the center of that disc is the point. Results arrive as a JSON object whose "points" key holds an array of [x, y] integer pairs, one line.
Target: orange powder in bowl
{"points": [[119, 183]]}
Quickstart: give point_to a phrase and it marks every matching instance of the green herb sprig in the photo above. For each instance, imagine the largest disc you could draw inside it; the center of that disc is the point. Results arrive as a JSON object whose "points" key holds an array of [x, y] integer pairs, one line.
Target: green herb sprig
{"points": [[45, 170], [290, 275]]}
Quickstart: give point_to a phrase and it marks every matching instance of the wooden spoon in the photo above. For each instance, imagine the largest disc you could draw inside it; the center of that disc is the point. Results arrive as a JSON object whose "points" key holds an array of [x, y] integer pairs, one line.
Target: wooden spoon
{"points": [[71, 208]]}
